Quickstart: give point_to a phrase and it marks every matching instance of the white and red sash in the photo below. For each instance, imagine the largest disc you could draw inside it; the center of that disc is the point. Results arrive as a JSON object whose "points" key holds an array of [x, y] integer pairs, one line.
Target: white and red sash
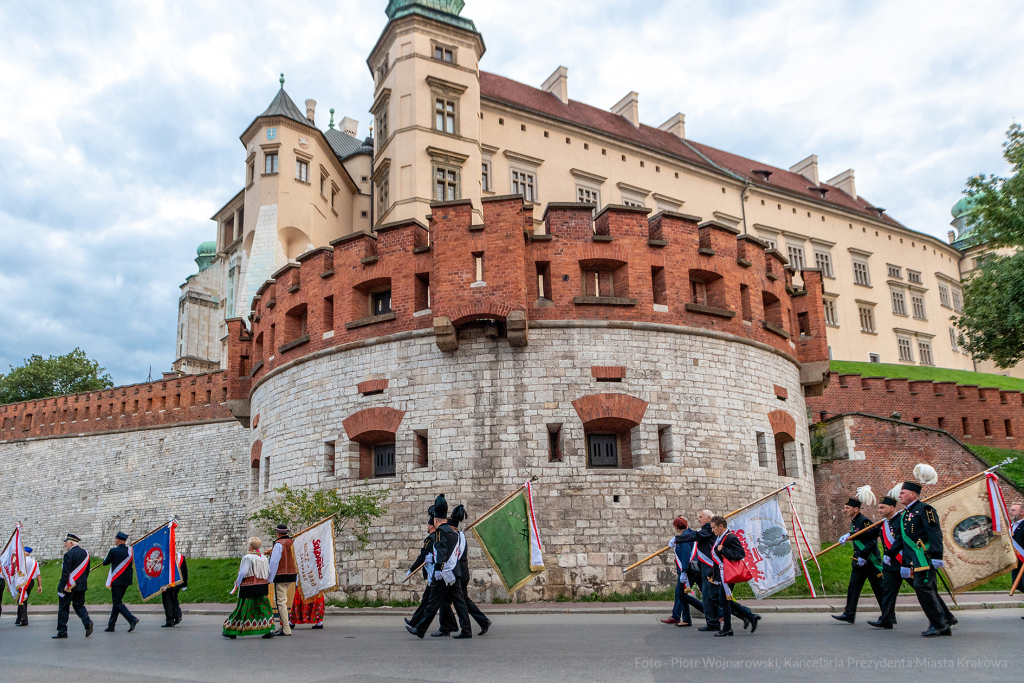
{"points": [[888, 539], [78, 571], [721, 564], [702, 558], [684, 578], [32, 571], [115, 572], [996, 503], [1016, 546]]}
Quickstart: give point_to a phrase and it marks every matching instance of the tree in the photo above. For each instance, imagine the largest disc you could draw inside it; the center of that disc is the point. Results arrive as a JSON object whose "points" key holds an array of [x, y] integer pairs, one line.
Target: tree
{"points": [[54, 376], [992, 324], [302, 508]]}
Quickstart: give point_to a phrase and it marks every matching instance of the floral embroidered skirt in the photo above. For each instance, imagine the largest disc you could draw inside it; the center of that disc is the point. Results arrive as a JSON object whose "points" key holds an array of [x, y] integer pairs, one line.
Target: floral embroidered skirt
{"points": [[252, 617], [307, 611]]}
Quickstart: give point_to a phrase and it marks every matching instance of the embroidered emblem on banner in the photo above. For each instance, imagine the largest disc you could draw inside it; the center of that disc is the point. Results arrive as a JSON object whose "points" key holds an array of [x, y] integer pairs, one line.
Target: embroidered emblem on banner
{"points": [[153, 563]]}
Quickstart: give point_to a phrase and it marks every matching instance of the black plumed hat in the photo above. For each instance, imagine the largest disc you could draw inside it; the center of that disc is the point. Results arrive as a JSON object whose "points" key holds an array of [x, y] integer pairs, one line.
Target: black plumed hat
{"points": [[886, 500], [459, 514], [440, 507], [853, 502]]}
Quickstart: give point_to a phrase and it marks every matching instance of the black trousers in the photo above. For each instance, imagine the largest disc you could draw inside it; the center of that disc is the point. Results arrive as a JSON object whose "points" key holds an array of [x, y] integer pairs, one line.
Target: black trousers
{"points": [[709, 594], [729, 608], [926, 587], [439, 591], [172, 610], [858, 575], [448, 623], [891, 582], [117, 598], [23, 607], [76, 600], [479, 617]]}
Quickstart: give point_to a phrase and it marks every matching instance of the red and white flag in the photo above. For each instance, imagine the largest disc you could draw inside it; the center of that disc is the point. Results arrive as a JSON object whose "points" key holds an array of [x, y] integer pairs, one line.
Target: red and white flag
{"points": [[12, 563]]}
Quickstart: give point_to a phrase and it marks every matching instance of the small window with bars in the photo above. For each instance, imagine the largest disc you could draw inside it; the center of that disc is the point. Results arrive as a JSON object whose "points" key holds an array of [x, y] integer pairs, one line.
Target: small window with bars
{"points": [[924, 350], [383, 199], [958, 301], [823, 262], [896, 272], [627, 201], [603, 450], [874, 358], [953, 339], [444, 54], [796, 257], [944, 296], [917, 305], [381, 302], [861, 276], [384, 460], [906, 351], [831, 314], [485, 176], [899, 303], [586, 195], [914, 276], [867, 320], [524, 183]]}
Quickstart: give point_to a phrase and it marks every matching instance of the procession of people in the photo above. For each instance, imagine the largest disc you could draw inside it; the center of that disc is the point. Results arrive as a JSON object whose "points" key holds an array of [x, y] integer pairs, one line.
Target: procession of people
{"points": [[710, 559]]}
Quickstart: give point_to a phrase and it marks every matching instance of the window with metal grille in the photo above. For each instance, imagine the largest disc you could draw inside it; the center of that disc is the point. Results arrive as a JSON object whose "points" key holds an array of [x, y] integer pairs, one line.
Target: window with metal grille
{"points": [[831, 315], [874, 358], [444, 115], [914, 276], [823, 262], [603, 450], [917, 303], [446, 185], [383, 201], [899, 303], [796, 257], [525, 184], [867, 320], [906, 351], [626, 201], [861, 276], [384, 460], [895, 271], [952, 339], [585, 195], [958, 301], [270, 163], [924, 350], [944, 296], [381, 302]]}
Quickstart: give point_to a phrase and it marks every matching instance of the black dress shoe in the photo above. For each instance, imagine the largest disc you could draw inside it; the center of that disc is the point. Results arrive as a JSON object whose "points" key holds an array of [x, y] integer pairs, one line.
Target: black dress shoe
{"points": [[59, 635], [169, 624], [487, 626], [849, 619], [407, 622], [109, 629], [88, 630], [722, 634], [177, 621], [413, 631], [132, 626], [318, 626], [268, 636], [753, 622], [953, 621], [932, 632], [708, 628], [440, 634], [227, 635], [280, 632], [880, 624], [459, 636]]}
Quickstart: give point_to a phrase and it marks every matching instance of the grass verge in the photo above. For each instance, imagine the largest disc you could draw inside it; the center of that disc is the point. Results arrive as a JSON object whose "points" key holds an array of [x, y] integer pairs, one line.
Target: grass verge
{"points": [[924, 372]]}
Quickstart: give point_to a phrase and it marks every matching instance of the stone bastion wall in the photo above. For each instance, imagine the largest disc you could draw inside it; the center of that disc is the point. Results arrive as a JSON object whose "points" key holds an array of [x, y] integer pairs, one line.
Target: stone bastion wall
{"points": [[687, 407]]}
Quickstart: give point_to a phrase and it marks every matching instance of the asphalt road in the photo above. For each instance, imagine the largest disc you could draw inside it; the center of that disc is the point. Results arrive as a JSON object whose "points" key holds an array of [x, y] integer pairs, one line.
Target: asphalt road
{"points": [[557, 647]]}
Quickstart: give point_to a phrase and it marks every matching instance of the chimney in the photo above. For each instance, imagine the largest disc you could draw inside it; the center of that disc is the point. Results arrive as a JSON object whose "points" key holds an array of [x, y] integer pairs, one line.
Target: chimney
{"points": [[844, 182], [629, 108], [808, 168], [558, 84], [349, 126], [311, 111], [675, 125], [952, 236]]}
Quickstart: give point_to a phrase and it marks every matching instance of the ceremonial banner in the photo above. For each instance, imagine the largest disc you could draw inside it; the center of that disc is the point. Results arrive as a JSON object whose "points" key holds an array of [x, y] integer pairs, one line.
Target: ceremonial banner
{"points": [[314, 555], [509, 538], [12, 563], [764, 536], [155, 566], [974, 552]]}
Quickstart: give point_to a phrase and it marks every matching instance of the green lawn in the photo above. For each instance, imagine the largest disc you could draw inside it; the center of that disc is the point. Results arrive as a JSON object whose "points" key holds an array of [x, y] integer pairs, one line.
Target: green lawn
{"points": [[924, 372], [1014, 471]]}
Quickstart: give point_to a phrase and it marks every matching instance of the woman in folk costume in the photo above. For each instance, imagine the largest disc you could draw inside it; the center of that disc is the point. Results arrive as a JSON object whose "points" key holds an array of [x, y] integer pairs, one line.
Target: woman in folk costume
{"points": [[305, 611], [252, 615]]}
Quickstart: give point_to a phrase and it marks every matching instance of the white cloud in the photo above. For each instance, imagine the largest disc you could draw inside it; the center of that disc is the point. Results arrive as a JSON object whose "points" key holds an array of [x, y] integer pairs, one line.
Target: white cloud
{"points": [[121, 120]]}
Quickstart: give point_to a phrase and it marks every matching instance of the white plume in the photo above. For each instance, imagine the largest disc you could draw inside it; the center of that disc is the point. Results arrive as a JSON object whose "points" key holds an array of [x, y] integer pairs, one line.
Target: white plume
{"points": [[926, 474], [866, 496], [895, 492]]}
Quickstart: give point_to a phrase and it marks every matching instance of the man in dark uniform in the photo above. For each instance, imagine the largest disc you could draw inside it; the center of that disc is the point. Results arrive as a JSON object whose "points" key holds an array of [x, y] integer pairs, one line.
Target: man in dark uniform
{"points": [[425, 562], [922, 556], [1017, 535], [459, 514], [119, 578], [446, 543], [708, 588], [169, 596], [74, 581], [865, 565]]}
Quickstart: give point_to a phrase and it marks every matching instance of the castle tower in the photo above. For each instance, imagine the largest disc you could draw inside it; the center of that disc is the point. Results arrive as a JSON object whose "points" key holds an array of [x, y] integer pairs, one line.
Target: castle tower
{"points": [[426, 110]]}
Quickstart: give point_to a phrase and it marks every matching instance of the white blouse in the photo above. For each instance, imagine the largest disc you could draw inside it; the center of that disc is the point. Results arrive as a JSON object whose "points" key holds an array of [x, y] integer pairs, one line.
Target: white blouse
{"points": [[252, 565]]}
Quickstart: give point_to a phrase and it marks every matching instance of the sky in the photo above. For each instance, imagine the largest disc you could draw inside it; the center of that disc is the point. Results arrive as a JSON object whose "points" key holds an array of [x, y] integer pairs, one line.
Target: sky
{"points": [[120, 120]]}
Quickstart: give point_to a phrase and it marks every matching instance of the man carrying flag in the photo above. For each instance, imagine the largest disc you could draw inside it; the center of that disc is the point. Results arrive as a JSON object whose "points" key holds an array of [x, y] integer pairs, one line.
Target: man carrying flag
{"points": [[34, 576], [865, 564], [119, 577], [74, 581], [922, 550], [169, 595]]}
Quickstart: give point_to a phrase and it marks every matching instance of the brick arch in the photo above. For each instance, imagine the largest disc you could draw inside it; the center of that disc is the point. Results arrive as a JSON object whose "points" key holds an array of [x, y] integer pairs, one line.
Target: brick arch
{"points": [[614, 412], [255, 453], [783, 424], [592, 252], [481, 310], [373, 425]]}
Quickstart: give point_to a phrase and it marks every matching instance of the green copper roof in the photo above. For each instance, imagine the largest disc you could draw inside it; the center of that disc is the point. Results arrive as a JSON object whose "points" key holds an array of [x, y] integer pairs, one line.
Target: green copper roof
{"points": [[446, 11], [207, 251], [962, 207]]}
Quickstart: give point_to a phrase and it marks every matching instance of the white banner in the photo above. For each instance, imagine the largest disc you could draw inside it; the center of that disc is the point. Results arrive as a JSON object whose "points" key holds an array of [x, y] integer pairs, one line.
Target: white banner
{"points": [[12, 563], [763, 534], [314, 555]]}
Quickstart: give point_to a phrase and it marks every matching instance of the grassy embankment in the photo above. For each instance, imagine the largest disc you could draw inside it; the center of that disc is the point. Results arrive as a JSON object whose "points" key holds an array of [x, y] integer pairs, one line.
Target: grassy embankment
{"points": [[887, 370]]}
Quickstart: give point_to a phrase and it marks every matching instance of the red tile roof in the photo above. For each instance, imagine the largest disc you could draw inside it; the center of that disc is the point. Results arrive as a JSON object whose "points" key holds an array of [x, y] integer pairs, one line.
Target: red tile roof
{"points": [[513, 93]]}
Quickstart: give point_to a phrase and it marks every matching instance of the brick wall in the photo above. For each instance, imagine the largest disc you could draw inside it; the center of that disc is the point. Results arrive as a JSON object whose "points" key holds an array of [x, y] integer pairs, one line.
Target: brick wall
{"points": [[866, 449], [978, 416]]}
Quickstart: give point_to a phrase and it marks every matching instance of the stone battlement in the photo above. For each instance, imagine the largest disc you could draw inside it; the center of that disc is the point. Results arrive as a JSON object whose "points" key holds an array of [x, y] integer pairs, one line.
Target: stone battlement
{"points": [[620, 265], [182, 400], [984, 416]]}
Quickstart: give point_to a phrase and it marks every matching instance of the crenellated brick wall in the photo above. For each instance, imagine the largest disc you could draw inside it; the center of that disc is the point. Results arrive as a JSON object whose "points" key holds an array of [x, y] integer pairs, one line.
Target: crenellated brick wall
{"points": [[164, 402], [976, 415]]}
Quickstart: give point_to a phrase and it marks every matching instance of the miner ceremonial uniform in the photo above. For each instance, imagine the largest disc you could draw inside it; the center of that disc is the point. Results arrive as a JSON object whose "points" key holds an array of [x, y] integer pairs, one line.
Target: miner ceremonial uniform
{"points": [[458, 516], [74, 581], [425, 561], [119, 578], [922, 546], [446, 577], [866, 565]]}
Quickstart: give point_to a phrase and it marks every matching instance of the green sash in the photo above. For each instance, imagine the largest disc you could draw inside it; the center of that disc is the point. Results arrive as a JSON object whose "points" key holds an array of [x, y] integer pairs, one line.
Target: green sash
{"points": [[919, 550]]}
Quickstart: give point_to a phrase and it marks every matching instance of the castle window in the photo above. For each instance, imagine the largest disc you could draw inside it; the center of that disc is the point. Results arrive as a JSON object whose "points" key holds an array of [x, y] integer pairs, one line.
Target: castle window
{"points": [[446, 184], [906, 351], [382, 122], [861, 276], [823, 262], [924, 350], [422, 291], [524, 183], [270, 162], [659, 290], [917, 304], [958, 301], [762, 449], [914, 276], [383, 200], [328, 314], [874, 358], [867, 319], [478, 264], [329, 458], [603, 450], [895, 271], [302, 170], [944, 296], [899, 302], [796, 257], [485, 176], [250, 173], [444, 54], [543, 280], [323, 185], [629, 201], [554, 443], [444, 115], [384, 460], [381, 302], [952, 339], [587, 195], [831, 315], [334, 193]]}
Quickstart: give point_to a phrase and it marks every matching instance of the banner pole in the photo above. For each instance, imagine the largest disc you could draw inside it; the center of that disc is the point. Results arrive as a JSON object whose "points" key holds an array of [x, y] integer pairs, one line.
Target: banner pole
{"points": [[312, 526], [1016, 582], [411, 572], [503, 501], [646, 559]]}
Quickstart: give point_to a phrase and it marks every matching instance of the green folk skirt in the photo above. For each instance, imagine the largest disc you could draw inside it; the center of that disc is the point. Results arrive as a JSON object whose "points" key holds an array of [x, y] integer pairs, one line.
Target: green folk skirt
{"points": [[252, 617]]}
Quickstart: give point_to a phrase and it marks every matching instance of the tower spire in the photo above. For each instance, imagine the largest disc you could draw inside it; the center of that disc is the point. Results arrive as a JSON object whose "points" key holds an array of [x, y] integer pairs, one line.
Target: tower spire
{"points": [[282, 81], [331, 124]]}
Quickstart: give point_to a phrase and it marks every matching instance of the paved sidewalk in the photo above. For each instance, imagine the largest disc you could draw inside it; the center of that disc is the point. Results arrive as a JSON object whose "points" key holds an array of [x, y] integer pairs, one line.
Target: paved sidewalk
{"points": [[829, 604]]}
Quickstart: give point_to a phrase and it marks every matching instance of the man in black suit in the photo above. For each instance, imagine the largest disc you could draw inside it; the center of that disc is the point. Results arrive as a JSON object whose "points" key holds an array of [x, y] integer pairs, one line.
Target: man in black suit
{"points": [[459, 515], [728, 547], [169, 596], [74, 581], [118, 580]]}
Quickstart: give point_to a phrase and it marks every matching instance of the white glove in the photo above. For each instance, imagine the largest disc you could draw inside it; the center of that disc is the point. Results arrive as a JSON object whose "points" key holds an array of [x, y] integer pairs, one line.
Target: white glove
{"points": [[861, 561], [672, 542], [682, 578], [843, 539], [886, 560], [449, 576], [905, 572], [938, 564], [60, 595]]}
